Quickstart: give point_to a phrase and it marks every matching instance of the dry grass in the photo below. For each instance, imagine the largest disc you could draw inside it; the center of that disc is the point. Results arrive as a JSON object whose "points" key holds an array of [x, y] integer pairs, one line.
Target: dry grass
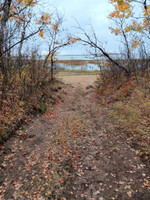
{"points": [[133, 115], [129, 105], [77, 62]]}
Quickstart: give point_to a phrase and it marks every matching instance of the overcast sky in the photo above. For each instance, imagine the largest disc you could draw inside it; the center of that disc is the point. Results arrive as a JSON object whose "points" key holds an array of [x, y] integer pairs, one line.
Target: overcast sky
{"points": [[86, 11]]}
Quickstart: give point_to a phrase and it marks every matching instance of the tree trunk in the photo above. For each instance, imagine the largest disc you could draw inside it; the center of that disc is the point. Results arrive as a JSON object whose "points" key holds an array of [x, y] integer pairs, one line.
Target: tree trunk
{"points": [[3, 21], [52, 69]]}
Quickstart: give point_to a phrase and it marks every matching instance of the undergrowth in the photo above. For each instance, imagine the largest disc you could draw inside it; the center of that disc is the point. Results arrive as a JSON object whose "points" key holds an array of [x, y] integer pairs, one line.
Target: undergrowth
{"points": [[128, 102], [27, 91]]}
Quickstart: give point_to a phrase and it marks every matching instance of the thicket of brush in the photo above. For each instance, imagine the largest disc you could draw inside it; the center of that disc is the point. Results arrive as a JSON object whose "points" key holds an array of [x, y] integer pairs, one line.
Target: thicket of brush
{"points": [[25, 89], [127, 97]]}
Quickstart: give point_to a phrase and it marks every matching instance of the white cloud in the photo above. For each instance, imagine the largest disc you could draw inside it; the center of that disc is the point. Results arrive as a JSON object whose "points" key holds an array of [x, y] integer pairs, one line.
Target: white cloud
{"points": [[95, 11]]}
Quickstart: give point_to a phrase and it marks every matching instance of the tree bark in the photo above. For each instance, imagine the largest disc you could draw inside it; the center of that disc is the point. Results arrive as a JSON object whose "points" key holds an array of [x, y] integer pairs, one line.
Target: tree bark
{"points": [[52, 68]]}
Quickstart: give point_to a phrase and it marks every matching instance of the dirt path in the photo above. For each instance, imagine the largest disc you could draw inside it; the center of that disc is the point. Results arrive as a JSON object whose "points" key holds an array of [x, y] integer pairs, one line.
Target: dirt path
{"points": [[73, 152], [82, 81]]}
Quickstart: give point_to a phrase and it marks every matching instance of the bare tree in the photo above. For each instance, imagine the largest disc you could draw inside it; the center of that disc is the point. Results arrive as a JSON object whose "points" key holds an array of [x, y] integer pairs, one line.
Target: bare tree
{"points": [[96, 46], [56, 38], [11, 21]]}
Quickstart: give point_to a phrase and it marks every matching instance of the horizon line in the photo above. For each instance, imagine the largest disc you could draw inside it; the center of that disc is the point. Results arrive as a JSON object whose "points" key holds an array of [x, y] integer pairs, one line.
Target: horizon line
{"points": [[84, 54]]}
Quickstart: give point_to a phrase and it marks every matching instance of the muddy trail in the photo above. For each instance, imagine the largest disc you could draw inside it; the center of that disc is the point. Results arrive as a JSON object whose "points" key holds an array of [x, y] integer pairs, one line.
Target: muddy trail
{"points": [[73, 151]]}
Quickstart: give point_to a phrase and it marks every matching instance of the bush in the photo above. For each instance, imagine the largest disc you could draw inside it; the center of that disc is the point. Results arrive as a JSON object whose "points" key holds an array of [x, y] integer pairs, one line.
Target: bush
{"points": [[128, 99], [26, 90]]}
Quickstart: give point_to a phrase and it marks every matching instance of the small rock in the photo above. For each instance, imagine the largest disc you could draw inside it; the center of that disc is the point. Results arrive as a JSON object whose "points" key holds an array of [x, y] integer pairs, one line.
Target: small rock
{"points": [[97, 192], [94, 167], [143, 174]]}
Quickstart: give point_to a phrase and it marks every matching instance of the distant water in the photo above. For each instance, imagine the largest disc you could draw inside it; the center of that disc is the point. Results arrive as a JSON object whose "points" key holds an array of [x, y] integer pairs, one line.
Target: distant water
{"points": [[84, 66]]}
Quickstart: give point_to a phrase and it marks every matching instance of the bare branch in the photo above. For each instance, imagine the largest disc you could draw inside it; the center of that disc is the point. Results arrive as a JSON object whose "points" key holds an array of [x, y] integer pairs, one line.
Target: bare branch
{"points": [[25, 38], [89, 41]]}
